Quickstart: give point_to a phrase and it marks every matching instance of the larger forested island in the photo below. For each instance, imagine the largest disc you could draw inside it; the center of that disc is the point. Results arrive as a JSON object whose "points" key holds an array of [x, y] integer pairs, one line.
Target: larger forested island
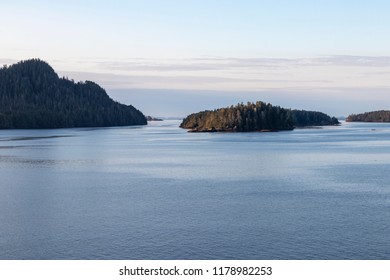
{"points": [[375, 116], [257, 116], [33, 96]]}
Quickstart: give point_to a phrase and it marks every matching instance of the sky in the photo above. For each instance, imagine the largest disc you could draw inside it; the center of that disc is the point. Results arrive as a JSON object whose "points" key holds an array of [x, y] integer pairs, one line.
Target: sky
{"points": [[175, 57]]}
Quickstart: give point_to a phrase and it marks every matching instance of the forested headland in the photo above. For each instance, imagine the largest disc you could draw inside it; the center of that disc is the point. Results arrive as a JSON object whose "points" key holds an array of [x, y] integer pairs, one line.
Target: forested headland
{"points": [[257, 116], [375, 116], [33, 96]]}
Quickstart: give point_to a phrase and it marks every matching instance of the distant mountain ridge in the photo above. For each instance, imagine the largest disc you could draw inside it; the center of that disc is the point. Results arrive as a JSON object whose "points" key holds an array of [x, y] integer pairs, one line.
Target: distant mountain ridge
{"points": [[33, 96], [375, 116], [257, 116]]}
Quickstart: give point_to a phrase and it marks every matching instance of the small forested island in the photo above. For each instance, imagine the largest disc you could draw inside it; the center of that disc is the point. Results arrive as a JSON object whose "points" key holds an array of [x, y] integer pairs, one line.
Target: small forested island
{"points": [[375, 116], [33, 96], [257, 116]]}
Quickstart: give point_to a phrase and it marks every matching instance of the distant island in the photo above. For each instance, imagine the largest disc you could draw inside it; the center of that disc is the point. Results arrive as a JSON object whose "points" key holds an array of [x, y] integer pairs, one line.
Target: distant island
{"points": [[153, 119], [375, 116], [33, 96], [257, 116]]}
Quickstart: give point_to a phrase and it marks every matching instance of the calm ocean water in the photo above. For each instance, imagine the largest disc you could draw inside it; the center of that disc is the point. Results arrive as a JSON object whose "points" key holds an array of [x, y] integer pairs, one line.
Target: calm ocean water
{"points": [[158, 192]]}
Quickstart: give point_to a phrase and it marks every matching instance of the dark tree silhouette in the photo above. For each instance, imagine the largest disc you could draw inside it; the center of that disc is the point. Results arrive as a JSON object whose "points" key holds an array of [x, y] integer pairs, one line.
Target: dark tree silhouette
{"points": [[312, 118]]}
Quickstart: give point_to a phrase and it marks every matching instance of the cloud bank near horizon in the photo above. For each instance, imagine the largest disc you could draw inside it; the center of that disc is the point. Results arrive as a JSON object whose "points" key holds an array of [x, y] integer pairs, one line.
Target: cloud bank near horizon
{"points": [[335, 72], [339, 84]]}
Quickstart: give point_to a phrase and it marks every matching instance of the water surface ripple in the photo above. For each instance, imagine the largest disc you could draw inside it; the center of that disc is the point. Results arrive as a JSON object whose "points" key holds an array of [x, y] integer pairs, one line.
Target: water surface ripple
{"points": [[158, 192]]}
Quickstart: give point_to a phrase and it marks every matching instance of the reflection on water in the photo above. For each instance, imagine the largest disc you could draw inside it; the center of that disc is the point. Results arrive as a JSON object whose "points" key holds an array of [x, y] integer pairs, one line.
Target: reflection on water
{"points": [[157, 192], [33, 138]]}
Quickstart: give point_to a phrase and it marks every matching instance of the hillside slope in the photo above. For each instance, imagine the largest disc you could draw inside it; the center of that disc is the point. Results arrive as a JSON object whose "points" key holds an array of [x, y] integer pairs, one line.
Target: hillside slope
{"points": [[33, 96]]}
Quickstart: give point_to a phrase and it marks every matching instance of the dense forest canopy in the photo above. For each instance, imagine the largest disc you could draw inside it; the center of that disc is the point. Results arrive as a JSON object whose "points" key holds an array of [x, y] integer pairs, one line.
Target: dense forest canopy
{"points": [[376, 116], [257, 116], [33, 96], [304, 118]]}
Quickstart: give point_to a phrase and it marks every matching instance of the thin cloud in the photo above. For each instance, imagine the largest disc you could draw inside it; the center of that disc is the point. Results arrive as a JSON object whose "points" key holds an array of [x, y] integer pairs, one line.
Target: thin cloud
{"points": [[231, 63], [349, 60], [110, 80], [194, 64], [232, 73]]}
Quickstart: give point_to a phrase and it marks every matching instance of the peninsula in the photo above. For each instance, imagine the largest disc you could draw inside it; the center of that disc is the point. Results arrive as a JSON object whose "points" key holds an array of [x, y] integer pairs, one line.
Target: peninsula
{"points": [[33, 96]]}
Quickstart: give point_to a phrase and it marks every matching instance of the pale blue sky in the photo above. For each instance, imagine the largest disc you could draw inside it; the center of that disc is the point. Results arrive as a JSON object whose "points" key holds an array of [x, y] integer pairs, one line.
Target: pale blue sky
{"points": [[328, 55]]}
